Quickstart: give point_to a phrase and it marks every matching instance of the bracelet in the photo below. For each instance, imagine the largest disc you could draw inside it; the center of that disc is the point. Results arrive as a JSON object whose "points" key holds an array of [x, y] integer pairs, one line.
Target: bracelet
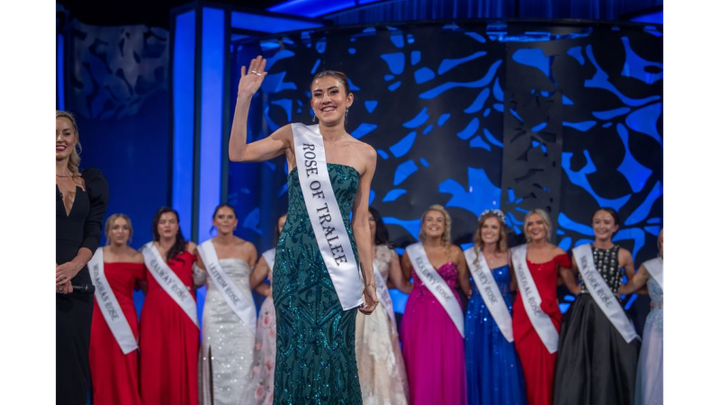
{"points": [[371, 284]]}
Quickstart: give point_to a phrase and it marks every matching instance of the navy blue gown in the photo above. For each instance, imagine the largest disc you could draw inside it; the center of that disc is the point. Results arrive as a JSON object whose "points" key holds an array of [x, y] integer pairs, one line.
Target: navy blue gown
{"points": [[494, 376]]}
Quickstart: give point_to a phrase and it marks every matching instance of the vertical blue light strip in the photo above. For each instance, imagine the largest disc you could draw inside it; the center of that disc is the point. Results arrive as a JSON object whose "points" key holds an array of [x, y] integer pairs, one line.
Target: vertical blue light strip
{"points": [[61, 72], [211, 137], [183, 87]]}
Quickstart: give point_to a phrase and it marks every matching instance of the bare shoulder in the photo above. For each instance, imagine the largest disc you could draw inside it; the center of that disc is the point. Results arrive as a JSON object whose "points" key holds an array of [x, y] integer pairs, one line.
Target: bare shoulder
{"points": [[365, 149], [191, 247], [367, 154], [624, 255], [456, 252], [558, 251], [624, 252], [246, 246], [136, 257]]}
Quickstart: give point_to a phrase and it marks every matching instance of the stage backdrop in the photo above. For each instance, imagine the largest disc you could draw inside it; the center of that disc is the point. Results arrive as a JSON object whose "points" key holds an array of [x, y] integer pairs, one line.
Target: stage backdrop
{"points": [[117, 88], [517, 115], [116, 85]]}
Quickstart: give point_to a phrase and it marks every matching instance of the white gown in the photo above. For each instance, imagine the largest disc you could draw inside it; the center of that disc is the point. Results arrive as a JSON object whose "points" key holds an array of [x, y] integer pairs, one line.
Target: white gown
{"points": [[226, 354]]}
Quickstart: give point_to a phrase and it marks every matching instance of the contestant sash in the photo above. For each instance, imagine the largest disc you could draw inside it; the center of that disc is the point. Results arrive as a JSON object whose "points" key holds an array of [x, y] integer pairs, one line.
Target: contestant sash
{"points": [[436, 284], [169, 281], [324, 212], [488, 288], [656, 268], [602, 294], [269, 256], [541, 321], [109, 305], [243, 307], [383, 294]]}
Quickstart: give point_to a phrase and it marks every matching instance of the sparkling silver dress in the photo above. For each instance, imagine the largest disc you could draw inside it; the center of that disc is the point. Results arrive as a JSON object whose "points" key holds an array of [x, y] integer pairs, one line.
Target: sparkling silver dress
{"points": [[226, 355]]}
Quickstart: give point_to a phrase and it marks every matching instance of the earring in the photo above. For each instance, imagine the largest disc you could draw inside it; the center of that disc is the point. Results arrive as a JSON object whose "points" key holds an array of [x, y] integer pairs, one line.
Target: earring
{"points": [[314, 119], [346, 111]]}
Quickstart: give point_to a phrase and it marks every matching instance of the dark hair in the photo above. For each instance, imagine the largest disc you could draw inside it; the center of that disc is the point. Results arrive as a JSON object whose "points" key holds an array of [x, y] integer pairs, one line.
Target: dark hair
{"points": [[224, 205], [179, 245], [277, 231], [613, 213], [336, 74], [382, 236]]}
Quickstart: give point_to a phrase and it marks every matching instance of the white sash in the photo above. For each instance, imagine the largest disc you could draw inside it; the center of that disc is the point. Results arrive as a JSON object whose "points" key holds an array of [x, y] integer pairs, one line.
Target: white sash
{"points": [[488, 288], [109, 305], [243, 307], [269, 256], [169, 281], [531, 300], [324, 212], [602, 294], [383, 294], [436, 284], [655, 268]]}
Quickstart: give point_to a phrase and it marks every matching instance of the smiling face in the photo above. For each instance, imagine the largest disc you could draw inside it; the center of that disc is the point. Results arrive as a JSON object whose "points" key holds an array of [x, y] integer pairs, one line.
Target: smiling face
{"points": [[120, 231], [168, 225], [225, 220], [329, 100], [604, 225], [433, 225], [490, 230], [66, 138], [535, 228]]}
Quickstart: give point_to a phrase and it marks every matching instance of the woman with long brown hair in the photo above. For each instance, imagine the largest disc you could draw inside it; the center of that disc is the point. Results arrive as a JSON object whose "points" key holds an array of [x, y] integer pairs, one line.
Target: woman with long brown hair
{"points": [[317, 287], [494, 372], [169, 330]]}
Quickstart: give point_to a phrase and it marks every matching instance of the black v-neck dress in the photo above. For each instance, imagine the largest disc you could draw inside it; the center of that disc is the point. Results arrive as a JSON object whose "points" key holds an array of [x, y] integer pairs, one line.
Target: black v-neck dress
{"points": [[73, 312]]}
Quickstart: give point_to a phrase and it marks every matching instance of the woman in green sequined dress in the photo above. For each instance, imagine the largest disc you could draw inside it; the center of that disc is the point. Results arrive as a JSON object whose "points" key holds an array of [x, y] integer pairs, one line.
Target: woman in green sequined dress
{"points": [[315, 361]]}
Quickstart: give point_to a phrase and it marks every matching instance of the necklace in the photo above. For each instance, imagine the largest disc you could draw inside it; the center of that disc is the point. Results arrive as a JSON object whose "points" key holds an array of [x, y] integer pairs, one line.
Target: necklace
{"points": [[64, 176]]}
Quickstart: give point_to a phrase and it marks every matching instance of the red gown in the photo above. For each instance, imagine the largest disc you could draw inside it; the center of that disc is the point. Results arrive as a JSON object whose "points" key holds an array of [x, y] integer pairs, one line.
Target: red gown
{"points": [[169, 343], [114, 374], [537, 363]]}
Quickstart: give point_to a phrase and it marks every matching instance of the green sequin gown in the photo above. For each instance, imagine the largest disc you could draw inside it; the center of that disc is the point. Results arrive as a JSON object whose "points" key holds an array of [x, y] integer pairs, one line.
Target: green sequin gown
{"points": [[315, 360]]}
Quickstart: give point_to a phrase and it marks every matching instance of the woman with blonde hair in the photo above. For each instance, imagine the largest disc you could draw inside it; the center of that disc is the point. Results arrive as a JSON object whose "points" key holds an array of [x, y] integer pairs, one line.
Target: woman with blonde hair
{"points": [[536, 314], [433, 327], [81, 201], [116, 270]]}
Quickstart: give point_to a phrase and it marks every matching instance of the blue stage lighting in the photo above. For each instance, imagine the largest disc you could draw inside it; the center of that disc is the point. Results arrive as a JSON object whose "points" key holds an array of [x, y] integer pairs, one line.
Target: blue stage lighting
{"points": [[264, 23], [312, 8]]}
